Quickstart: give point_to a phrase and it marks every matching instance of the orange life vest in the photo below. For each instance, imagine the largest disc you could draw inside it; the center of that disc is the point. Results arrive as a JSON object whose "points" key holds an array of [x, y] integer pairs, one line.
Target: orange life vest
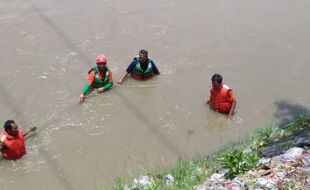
{"points": [[13, 147], [219, 99]]}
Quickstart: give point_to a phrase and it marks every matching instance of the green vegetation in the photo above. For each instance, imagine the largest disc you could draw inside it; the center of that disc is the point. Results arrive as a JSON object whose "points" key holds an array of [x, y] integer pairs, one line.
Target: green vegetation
{"points": [[189, 173], [235, 160]]}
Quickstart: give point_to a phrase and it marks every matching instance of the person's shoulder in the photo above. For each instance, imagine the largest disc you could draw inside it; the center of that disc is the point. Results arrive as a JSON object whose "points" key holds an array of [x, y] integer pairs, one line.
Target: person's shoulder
{"points": [[151, 60], [230, 95], [135, 60], [230, 92], [92, 70], [2, 137], [226, 86], [133, 63]]}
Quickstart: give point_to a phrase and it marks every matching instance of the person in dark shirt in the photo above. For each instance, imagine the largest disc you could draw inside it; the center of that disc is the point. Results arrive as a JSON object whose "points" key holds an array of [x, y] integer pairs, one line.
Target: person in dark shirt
{"points": [[141, 68]]}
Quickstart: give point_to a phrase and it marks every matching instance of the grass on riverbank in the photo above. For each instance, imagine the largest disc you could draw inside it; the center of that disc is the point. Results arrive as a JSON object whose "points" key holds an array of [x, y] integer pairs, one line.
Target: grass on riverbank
{"points": [[236, 159]]}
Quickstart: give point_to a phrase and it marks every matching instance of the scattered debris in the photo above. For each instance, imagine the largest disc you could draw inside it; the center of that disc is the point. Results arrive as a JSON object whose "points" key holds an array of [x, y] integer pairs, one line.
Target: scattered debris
{"points": [[290, 170], [141, 181], [168, 179]]}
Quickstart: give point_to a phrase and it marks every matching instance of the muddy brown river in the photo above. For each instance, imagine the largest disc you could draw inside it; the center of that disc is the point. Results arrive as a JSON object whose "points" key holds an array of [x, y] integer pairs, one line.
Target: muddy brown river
{"points": [[261, 48]]}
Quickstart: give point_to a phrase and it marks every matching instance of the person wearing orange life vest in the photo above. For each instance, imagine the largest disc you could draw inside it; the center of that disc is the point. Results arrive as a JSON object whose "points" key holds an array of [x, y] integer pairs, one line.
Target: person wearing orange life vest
{"points": [[221, 99], [12, 143], [141, 68], [99, 78]]}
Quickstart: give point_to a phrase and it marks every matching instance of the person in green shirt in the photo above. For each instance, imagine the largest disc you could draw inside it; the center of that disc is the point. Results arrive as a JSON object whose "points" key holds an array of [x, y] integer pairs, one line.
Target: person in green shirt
{"points": [[99, 78]]}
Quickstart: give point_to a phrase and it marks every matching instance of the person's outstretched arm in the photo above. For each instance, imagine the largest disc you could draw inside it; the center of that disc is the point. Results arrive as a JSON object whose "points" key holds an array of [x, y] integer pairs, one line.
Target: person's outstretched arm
{"points": [[124, 76], [233, 104], [232, 109], [31, 129], [87, 87], [208, 101], [126, 73]]}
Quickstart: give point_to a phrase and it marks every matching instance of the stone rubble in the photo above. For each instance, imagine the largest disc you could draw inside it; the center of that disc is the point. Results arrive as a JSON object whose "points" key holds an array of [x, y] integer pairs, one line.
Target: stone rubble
{"points": [[290, 170]]}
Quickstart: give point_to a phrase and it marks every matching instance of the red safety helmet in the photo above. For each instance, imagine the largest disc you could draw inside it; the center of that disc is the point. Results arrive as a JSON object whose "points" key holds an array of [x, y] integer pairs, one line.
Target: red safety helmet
{"points": [[101, 59]]}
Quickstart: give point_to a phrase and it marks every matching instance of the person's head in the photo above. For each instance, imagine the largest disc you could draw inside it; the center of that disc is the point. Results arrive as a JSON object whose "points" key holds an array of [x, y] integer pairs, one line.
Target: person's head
{"points": [[11, 127], [216, 81], [143, 56], [101, 61]]}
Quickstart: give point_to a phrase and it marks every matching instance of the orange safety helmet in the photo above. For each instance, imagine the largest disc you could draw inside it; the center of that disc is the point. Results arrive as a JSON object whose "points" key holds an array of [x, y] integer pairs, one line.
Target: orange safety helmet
{"points": [[101, 59]]}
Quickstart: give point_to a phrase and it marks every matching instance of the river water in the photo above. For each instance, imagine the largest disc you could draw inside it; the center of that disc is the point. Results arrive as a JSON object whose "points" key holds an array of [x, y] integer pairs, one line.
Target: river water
{"points": [[261, 48]]}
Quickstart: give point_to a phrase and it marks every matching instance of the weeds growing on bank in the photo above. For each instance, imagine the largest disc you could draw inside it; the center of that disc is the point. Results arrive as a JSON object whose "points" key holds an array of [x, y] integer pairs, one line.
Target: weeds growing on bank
{"points": [[235, 160]]}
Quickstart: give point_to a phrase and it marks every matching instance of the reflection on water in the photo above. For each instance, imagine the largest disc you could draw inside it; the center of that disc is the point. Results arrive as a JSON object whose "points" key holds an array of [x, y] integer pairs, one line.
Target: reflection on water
{"points": [[216, 121]]}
